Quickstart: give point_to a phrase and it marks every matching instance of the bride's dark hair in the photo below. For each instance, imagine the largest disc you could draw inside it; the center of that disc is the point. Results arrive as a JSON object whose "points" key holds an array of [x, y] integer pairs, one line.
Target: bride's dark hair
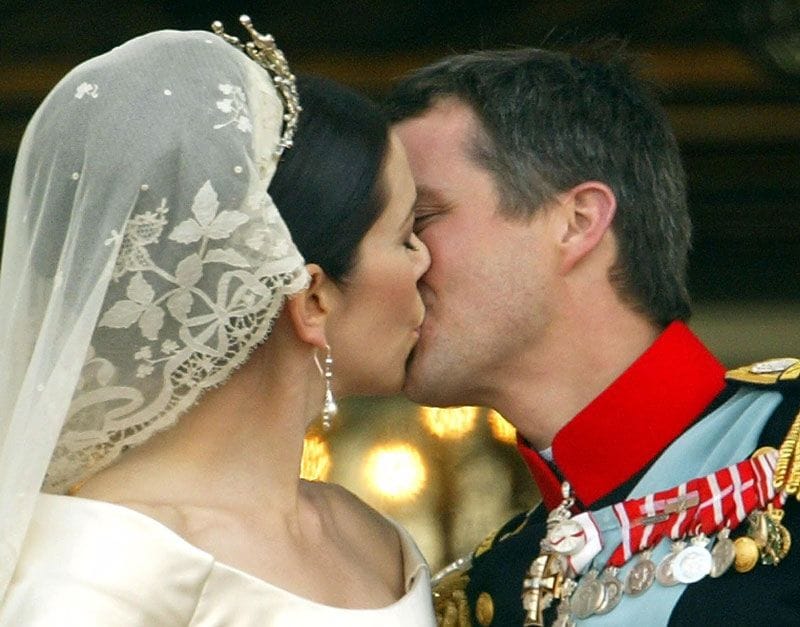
{"points": [[328, 187]]}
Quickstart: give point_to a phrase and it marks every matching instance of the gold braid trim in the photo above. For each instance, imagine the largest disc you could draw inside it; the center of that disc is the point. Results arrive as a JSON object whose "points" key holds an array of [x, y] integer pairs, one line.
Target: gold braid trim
{"points": [[450, 601], [787, 469]]}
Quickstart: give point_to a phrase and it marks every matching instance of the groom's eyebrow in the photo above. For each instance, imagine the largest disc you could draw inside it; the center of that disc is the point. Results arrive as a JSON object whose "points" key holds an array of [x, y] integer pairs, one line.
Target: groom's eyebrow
{"points": [[427, 195]]}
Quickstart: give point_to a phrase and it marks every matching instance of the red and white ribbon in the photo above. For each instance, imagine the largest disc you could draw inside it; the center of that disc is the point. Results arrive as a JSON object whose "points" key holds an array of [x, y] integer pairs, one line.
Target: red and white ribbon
{"points": [[704, 505]]}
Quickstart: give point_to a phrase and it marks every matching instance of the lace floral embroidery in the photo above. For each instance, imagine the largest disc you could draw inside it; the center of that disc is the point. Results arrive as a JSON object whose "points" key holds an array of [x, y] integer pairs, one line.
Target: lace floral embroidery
{"points": [[142, 306], [141, 230], [191, 324], [236, 105], [208, 223], [86, 89]]}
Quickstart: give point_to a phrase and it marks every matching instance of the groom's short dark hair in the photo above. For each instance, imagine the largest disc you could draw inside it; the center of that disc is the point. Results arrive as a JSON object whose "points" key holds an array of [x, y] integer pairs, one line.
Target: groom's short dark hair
{"points": [[551, 120]]}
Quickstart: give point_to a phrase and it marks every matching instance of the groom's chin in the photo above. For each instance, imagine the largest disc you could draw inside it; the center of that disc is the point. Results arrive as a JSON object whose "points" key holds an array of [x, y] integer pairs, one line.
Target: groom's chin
{"points": [[415, 385]]}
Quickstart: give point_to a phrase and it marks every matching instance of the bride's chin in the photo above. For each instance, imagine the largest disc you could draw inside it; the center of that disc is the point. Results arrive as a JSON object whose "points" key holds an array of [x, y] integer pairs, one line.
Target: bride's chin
{"points": [[386, 379], [392, 382], [385, 383]]}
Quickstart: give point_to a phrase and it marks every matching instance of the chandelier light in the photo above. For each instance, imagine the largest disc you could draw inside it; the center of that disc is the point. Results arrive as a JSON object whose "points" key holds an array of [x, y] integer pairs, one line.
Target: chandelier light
{"points": [[395, 471], [316, 463], [449, 423], [502, 430]]}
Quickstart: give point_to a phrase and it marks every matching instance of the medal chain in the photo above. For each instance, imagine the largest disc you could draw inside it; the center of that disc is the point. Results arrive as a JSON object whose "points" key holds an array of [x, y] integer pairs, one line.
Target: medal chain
{"points": [[675, 514]]}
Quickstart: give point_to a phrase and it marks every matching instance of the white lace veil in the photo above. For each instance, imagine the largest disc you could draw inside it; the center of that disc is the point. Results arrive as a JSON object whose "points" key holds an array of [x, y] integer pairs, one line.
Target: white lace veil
{"points": [[143, 258]]}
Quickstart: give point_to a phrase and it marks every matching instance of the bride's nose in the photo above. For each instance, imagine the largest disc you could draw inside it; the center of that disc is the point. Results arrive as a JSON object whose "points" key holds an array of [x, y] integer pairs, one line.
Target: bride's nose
{"points": [[423, 256]]}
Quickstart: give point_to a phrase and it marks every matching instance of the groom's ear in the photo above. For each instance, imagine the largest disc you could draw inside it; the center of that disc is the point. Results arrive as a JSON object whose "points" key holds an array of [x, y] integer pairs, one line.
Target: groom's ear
{"points": [[587, 211], [309, 310]]}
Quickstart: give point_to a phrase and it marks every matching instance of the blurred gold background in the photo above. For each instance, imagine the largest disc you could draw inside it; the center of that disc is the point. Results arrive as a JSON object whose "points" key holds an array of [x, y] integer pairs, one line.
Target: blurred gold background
{"points": [[730, 71]]}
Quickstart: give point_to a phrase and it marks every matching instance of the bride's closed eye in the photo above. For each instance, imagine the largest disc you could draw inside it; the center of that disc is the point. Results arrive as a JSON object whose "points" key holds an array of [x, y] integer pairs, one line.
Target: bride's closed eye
{"points": [[413, 242], [422, 217]]}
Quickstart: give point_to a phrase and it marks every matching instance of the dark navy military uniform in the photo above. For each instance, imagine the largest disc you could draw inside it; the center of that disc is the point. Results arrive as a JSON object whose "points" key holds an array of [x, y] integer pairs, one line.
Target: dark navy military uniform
{"points": [[603, 452]]}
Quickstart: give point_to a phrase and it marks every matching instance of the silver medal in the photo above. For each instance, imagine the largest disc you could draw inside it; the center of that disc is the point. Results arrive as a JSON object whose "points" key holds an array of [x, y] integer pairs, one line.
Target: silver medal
{"points": [[564, 620], [664, 574], [694, 562], [612, 590], [641, 576], [587, 596], [723, 554], [564, 614]]}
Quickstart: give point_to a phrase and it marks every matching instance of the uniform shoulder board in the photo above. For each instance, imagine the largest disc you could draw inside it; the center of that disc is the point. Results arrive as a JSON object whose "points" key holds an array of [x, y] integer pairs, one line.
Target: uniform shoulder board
{"points": [[769, 372]]}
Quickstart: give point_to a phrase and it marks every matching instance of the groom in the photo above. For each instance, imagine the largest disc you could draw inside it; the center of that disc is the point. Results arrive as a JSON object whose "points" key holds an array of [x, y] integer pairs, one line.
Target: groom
{"points": [[552, 199]]}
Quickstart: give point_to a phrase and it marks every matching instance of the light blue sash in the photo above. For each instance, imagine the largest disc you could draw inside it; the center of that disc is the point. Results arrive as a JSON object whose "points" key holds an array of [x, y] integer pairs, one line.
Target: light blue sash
{"points": [[726, 436]]}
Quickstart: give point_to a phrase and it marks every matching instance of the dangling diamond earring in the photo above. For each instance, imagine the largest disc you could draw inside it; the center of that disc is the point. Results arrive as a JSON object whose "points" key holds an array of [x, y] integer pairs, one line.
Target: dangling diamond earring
{"points": [[329, 407]]}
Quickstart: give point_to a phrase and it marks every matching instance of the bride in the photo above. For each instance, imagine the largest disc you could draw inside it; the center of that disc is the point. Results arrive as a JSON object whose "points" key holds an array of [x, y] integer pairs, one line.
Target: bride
{"points": [[185, 291]]}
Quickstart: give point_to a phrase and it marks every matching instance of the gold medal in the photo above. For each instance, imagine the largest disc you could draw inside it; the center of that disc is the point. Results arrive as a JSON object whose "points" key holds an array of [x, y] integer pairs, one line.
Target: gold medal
{"points": [[542, 585], [780, 540], [747, 554]]}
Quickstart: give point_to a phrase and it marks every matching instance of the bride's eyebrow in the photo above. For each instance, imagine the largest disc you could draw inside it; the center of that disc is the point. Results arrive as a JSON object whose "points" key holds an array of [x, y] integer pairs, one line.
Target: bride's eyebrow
{"points": [[409, 218]]}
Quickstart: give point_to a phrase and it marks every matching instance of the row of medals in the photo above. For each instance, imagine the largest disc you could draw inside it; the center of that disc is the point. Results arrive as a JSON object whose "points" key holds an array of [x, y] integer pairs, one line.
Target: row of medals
{"points": [[767, 541]]}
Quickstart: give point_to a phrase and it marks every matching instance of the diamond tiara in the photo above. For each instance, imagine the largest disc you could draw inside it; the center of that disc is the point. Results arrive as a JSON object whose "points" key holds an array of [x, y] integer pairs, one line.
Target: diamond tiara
{"points": [[262, 50]]}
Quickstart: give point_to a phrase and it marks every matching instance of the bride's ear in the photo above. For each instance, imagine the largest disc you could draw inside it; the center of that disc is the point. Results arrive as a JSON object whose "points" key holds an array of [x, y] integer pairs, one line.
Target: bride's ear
{"points": [[309, 310]]}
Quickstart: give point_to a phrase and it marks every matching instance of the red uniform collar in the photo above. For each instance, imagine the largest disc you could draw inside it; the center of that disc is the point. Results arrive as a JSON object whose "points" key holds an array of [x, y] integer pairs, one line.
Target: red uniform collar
{"points": [[632, 420]]}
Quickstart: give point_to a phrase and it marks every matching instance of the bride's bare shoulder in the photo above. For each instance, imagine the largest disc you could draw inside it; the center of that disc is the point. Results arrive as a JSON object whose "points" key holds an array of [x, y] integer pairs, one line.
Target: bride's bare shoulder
{"points": [[184, 521]]}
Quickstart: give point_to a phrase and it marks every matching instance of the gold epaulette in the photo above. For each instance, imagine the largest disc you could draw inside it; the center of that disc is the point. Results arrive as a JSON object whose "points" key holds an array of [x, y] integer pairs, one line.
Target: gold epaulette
{"points": [[773, 372], [767, 372], [768, 540]]}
